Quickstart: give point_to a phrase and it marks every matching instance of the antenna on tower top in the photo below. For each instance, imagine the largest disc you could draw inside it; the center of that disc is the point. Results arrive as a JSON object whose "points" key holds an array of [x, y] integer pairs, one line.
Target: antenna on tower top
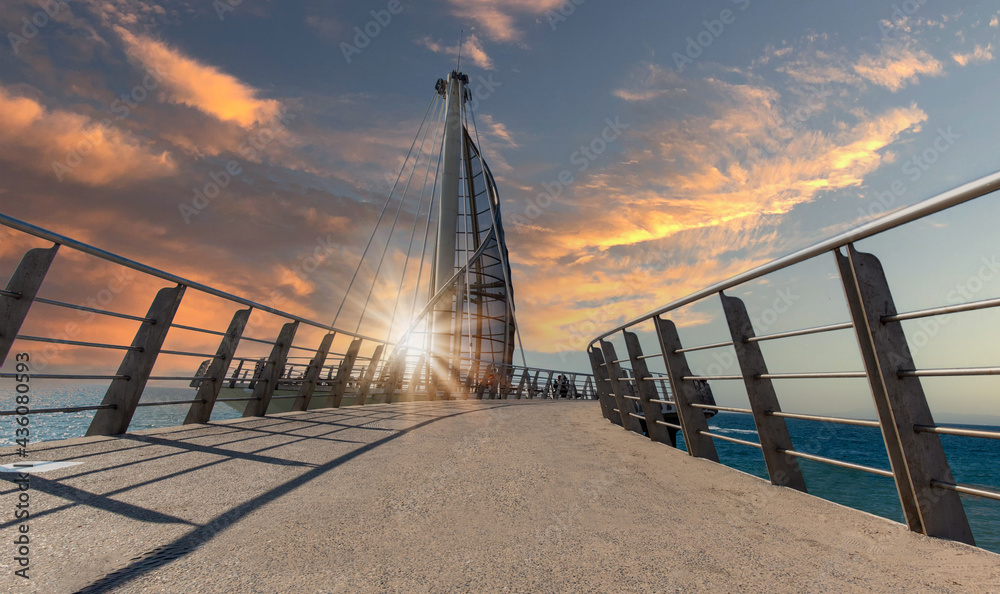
{"points": [[461, 40]]}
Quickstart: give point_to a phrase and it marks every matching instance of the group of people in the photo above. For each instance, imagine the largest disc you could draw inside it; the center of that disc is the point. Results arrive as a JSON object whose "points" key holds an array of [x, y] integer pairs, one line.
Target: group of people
{"points": [[564, 389]]}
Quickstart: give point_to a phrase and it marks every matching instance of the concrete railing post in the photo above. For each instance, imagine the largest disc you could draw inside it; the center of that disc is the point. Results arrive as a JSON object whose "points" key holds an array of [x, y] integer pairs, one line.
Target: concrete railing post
{"points": [[534, 384], [344, 371], [270, 373], [369, 375], [521, 384], [646, 391], [415, 378], [692, 420], [433, 378], [137, 365], [22, 286], [773, 432], [394, 379], [308, 386], [618, 388], [901, 404], [208, 390], [603, 386]]}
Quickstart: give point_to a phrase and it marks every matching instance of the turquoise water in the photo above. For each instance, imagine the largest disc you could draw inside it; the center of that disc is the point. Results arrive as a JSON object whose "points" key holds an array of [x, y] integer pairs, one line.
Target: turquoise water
{"points": [[973, 461]]}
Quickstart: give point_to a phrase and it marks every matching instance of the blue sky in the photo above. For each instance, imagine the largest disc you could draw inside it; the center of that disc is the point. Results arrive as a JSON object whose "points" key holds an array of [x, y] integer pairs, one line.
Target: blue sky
{"points": [[734, 132]]}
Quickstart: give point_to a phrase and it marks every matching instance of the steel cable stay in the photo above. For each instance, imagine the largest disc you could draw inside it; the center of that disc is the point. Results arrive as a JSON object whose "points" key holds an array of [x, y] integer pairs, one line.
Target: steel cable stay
{"points": [[427, 228], [413, 228], [382, 213], [392, 228]]}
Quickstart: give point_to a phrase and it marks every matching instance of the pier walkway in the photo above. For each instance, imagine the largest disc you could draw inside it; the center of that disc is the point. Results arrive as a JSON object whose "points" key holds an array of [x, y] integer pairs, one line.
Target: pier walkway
{"points": [[521, 496]]}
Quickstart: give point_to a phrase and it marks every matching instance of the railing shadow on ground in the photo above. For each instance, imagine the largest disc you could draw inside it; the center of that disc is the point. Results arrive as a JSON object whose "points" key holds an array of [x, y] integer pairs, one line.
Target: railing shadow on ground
{"points": [[421, 417]]}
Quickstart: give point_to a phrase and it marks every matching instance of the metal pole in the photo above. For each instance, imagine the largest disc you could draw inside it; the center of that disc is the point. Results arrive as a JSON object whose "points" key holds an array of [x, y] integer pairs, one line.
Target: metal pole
{"points": [[692, 420], [368, 376], [773, 432], [208, 390], [136, 366], [618, 389], [645, 390], [447, 224], [941, 512], [271, 372], [24, 283], [344, 374], [312, 374]]}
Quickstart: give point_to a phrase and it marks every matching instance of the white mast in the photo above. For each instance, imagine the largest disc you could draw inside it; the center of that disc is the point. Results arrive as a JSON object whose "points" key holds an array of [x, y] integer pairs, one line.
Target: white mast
{"points": [[447, 224]]}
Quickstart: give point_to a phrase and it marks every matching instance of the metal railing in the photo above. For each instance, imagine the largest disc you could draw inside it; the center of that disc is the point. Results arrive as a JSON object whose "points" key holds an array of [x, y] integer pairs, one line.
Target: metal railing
{"points": [[261, 383], [928, 493]]}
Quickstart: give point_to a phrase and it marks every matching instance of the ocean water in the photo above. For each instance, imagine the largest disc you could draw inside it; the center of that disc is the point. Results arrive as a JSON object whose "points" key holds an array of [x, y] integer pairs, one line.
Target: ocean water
{"points": [[974, 462], [51, 426]]}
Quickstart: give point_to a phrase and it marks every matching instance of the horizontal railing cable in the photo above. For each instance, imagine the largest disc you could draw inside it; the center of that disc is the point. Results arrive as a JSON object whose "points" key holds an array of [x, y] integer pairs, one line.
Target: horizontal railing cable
{"points": [[966, 489], [803, 332], [730, 439], [103, 312]]}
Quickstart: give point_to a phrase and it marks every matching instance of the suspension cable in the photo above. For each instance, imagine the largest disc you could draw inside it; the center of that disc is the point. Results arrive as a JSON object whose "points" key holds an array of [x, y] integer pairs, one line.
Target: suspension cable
{"points": [[382, 214], [392, 229], [413, 229], [427, 227]]}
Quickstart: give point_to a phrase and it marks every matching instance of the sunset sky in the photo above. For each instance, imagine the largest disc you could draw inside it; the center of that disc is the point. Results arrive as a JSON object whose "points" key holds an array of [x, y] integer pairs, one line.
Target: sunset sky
{"points": [[742, 130]]}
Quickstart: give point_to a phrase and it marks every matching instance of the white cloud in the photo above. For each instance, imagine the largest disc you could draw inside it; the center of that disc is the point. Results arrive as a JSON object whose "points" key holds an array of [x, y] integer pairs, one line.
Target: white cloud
{"points": [[498, 18], [978, 55], [472, 49]]}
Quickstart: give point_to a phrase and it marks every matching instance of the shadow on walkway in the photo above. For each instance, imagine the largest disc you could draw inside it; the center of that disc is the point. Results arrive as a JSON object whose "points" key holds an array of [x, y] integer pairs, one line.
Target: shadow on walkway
{"points": [[191, 541]]}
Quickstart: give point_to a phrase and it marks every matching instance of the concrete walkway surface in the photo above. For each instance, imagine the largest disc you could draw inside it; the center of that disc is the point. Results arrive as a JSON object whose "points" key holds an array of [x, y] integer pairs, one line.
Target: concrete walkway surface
{"points": [[512, 496]]}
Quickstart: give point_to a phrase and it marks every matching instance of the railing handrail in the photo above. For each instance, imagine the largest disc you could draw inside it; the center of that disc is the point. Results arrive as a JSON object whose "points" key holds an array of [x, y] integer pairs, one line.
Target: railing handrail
{"points": [[97, 252], [964, 193]]}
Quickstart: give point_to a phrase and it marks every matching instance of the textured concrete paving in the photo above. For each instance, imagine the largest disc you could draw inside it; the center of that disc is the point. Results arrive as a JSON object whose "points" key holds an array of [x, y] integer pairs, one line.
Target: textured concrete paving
{"points": [[521, 497]]}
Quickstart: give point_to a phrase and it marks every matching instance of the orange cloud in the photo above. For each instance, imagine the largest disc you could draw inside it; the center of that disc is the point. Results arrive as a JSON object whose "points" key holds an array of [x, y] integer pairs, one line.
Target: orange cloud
{"points": [[898, 66], [205, 88], [690, 202], [73, 146]]}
